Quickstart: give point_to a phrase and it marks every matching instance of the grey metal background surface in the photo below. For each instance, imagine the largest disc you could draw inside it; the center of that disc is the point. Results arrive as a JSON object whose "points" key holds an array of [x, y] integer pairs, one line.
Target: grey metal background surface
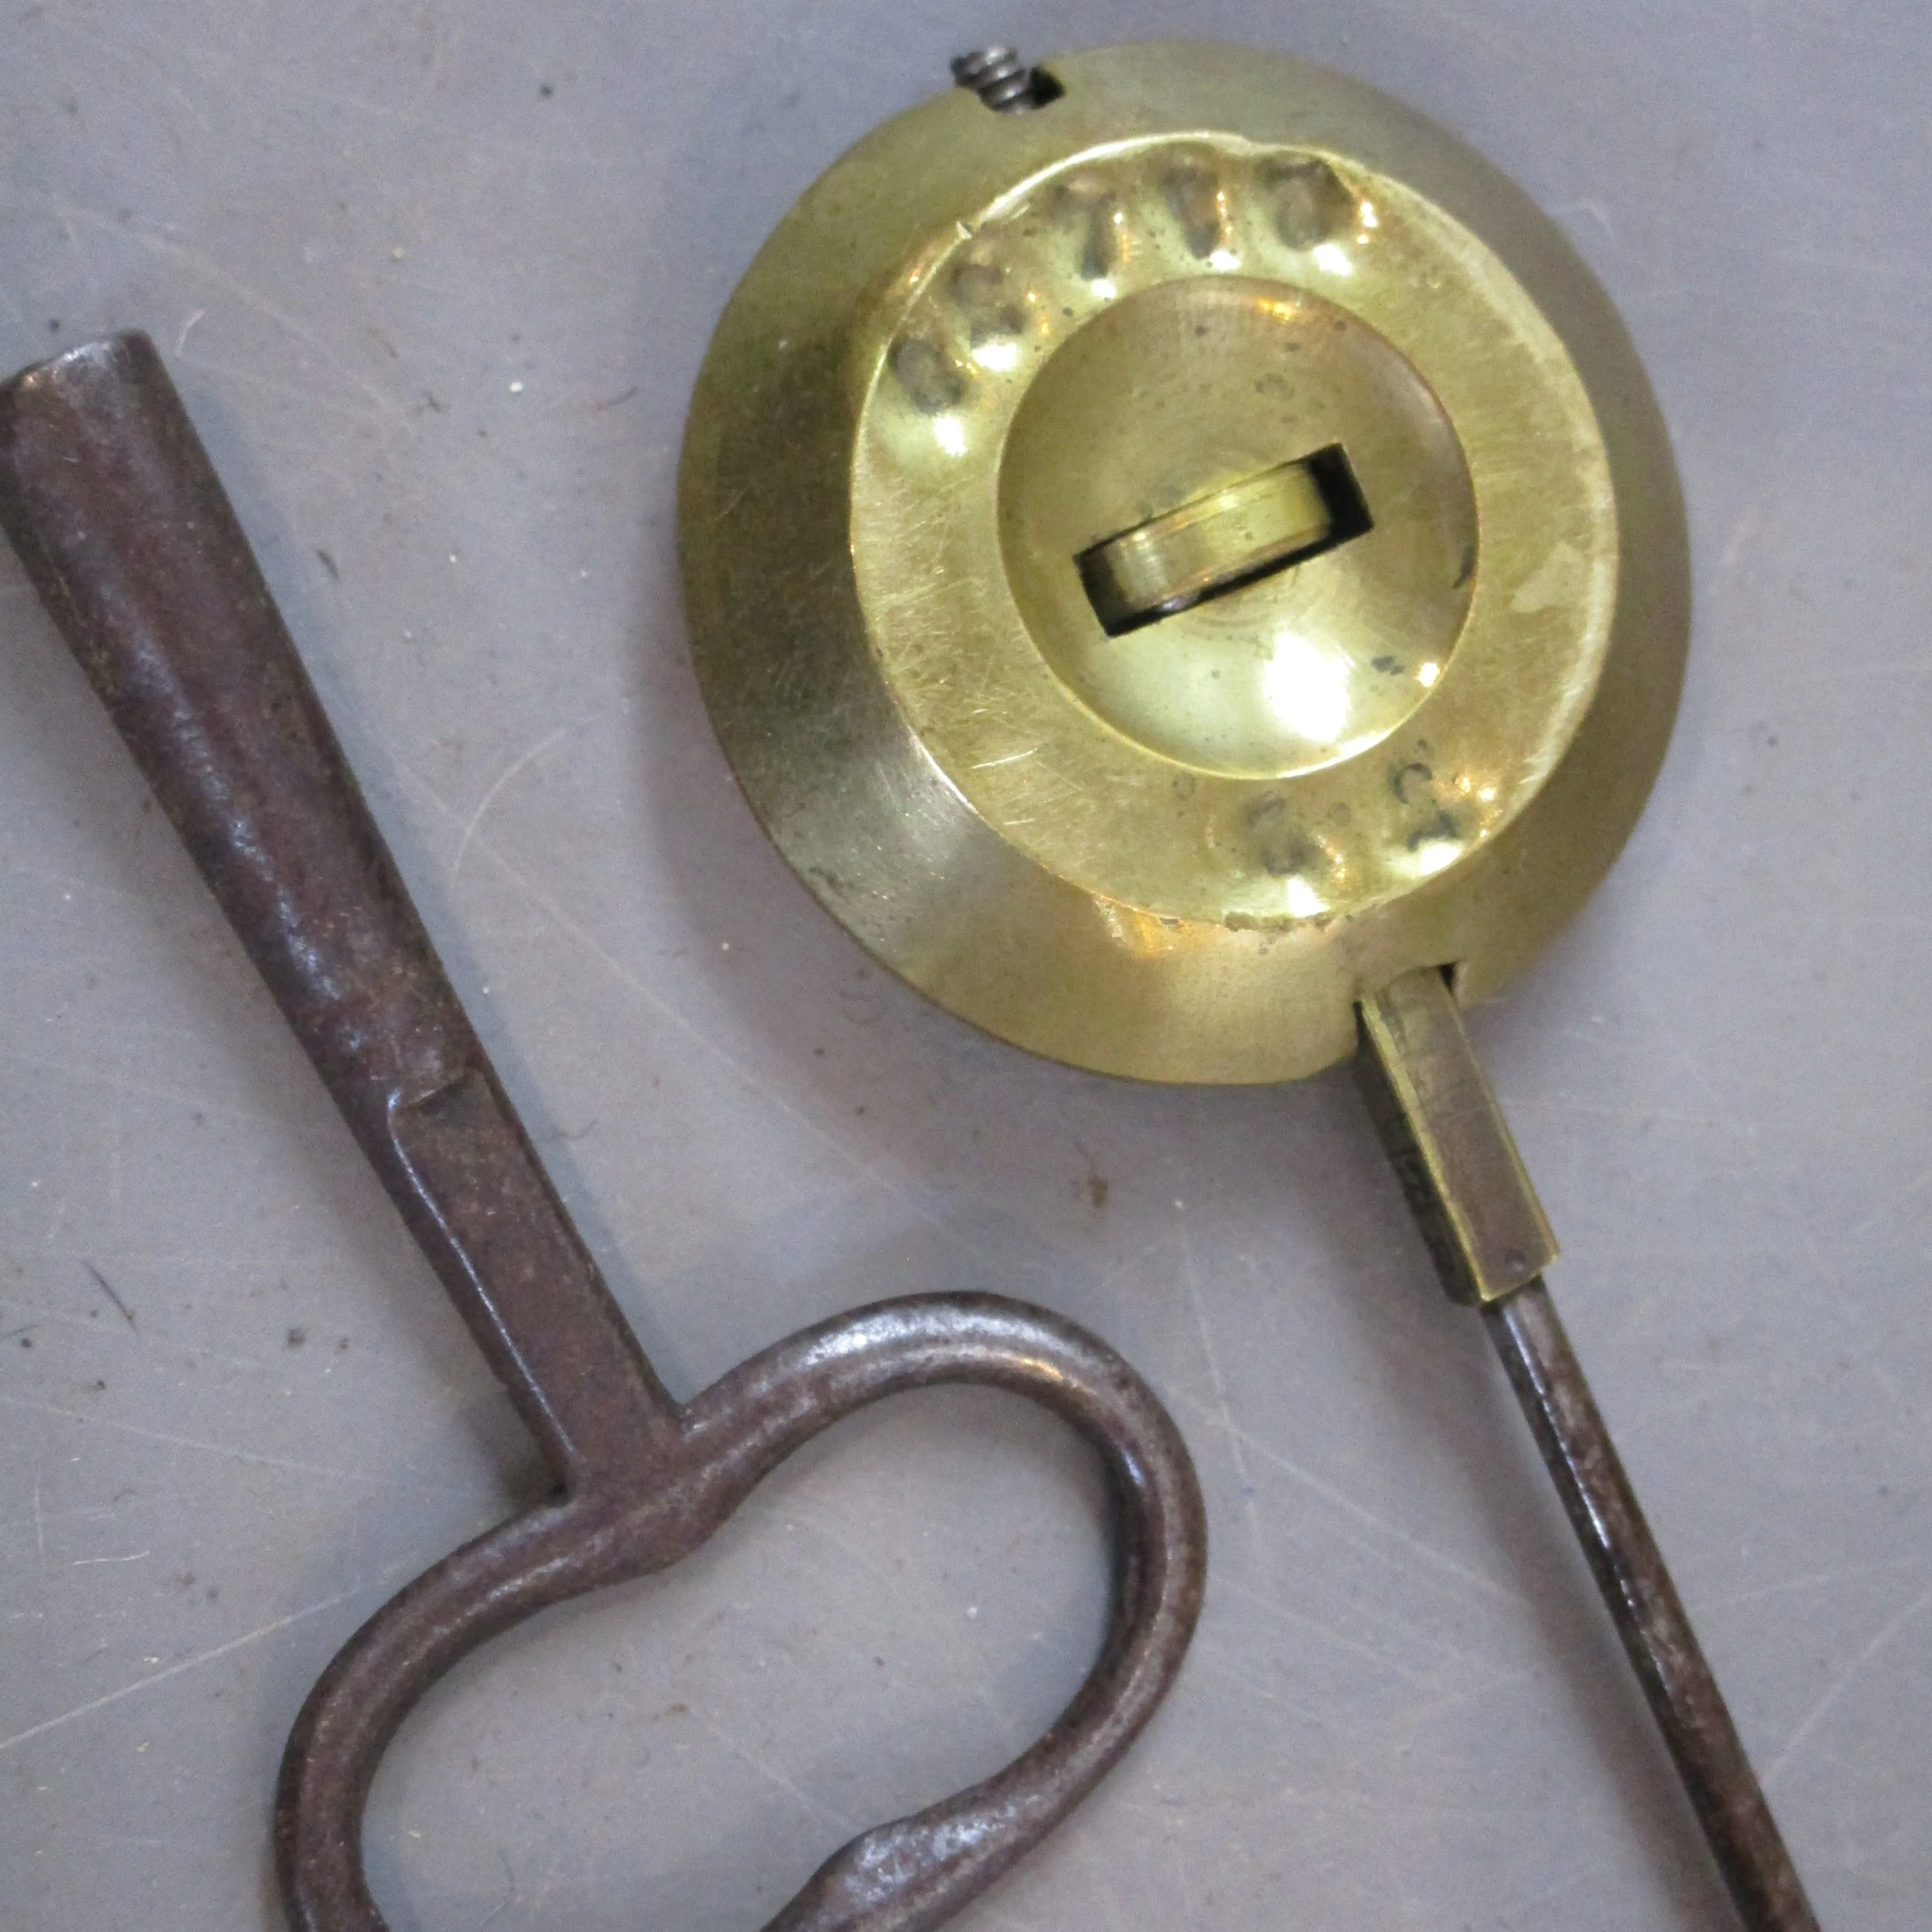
{"points": [[435, 281]]}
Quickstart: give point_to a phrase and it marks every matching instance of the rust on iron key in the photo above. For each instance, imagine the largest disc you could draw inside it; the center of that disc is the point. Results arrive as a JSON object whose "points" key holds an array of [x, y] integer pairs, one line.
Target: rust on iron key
{"points": [[108, 497]]}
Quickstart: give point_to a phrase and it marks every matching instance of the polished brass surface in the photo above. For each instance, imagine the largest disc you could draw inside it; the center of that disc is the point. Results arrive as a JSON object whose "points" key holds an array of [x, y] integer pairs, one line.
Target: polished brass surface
{"points": [[1218, 542], [1446, 1137], [1194, 384], [982, 346]]}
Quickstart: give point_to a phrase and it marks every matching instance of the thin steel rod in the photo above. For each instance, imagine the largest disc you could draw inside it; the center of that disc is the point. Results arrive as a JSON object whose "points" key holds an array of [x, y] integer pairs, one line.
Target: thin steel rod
{"points": [[1648, 1614], [1446, 1137]]}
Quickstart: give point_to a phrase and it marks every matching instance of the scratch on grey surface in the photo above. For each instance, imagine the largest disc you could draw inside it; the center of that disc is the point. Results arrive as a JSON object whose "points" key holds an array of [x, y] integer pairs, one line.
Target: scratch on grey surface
{"points": [[266, 77], [1817, 1579], [508, 1899], [775, 1776], [1878, 264], [1894, 1394], [150, 1338], [108, 1288], [1693, 1365], [1624, 1255], [248, 1261], [199, 1845], [1100, 1879], [1563, 211], [1174, 1817], [223, 1450], [194, 1663], [855, 1555], [1750, 520], [1417, 1632], [780, 1104], [1126, 1264], [1006, 1720], [1254, 1682], [1849, 27], [1361, 1513], [1800, 1226], [1887, 1208], [1809, 1722], [180, 341], [1789, 449], [94, 1076], [497, 147], [40, 1525], [1237, 1451], [1782, 678], [161, 905], [111, 1136], [86, 1512], [392, 409], [141, 59], [1573, 1879], [133, 1556], [1515, 49], [1562, 1103], [28, 333], [314, 401], [895, 1586], [489, 797], [1279, 1613], [1859, 918]]}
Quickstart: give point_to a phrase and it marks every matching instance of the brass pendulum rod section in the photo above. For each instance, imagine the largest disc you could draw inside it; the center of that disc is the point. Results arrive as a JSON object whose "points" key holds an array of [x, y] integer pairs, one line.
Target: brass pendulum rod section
{"points": [[1451, 1149]]}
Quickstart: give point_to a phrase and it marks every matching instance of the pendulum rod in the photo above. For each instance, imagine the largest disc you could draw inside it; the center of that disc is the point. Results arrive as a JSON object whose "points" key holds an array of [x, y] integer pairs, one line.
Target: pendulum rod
{"points": [[1452, 1151]]}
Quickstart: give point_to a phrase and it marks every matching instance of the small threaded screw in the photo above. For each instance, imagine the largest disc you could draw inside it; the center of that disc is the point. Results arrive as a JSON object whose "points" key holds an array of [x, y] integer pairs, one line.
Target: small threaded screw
{"points": [[1001, 79]]}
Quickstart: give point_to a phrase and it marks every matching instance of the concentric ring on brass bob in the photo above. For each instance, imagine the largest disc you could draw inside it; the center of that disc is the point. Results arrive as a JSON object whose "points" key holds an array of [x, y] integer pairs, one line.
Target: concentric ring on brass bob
{"points": [[1162, 566]]}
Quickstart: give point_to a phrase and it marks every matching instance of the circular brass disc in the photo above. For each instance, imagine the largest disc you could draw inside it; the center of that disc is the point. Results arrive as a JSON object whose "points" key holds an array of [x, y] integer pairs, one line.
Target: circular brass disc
{"points": [[1163, 564]]}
